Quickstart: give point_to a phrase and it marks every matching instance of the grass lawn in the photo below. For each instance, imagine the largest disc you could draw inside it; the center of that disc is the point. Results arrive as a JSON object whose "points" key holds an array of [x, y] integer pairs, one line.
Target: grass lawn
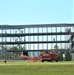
{"points": [[36, 68]]}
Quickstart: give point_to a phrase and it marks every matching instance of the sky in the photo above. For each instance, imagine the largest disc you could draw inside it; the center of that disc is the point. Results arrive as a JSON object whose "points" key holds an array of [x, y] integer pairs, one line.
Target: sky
{"points": [[18, 12]]}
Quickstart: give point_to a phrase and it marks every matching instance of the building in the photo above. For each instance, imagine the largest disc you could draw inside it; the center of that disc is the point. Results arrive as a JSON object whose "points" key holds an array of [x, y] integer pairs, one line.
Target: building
{"points": [[37, 37]]}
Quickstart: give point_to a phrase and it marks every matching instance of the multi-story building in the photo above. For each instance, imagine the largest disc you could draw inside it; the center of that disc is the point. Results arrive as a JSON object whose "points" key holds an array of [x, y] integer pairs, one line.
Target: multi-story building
{"points": [[37, 37]]}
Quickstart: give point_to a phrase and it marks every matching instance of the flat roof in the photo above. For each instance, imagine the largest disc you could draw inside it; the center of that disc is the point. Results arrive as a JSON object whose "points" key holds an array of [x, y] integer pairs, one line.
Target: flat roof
{"points": [[34, 26]]}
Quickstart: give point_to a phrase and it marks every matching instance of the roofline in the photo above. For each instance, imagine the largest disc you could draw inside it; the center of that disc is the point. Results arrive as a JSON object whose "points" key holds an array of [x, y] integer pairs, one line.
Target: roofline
{"points": [[34, 26]]}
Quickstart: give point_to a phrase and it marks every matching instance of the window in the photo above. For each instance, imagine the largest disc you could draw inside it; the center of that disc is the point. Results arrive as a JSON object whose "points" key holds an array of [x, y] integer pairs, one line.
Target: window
{"points": [[35, 30], [40, 46], [35, 38], [40, 38], [49, 38], [35, 46], [32, 38], [59, 29], [44, 38], [26, 30], [58, 37], [49, 46], [40, 30], [49, 30], [44, 46], [53, 29], [44, 30], [31, 29], [26, 38]]}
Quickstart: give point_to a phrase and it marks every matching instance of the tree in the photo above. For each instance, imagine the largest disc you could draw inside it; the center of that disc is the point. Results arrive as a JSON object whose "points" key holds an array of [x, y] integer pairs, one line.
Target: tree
{"points": [[16, 51]]}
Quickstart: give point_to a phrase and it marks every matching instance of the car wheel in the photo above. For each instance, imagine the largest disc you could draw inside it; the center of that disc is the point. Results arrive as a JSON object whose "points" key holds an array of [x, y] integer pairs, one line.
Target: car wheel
{"points": [[42, 60], [56, 60]]}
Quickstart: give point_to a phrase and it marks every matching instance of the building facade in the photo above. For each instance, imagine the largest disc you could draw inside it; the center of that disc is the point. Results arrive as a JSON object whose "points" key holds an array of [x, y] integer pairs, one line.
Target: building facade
{"points": [[37, 37]]}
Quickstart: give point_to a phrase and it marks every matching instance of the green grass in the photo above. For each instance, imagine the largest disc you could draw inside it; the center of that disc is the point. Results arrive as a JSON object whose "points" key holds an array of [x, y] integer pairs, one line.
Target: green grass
{"points": [[36, 68]]}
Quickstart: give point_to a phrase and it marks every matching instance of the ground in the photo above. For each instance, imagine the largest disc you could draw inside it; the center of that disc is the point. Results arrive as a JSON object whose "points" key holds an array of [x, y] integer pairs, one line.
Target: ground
{"points": [[20, 67]]}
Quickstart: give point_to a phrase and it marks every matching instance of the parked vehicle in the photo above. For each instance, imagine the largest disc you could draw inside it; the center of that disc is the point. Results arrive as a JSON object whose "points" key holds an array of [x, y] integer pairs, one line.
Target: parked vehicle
{"points": [[49, 56]]}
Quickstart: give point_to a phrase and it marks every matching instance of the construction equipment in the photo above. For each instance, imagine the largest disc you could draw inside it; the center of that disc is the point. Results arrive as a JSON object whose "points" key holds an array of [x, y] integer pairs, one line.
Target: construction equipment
{"points": [[48, 55], [45, 55]]}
